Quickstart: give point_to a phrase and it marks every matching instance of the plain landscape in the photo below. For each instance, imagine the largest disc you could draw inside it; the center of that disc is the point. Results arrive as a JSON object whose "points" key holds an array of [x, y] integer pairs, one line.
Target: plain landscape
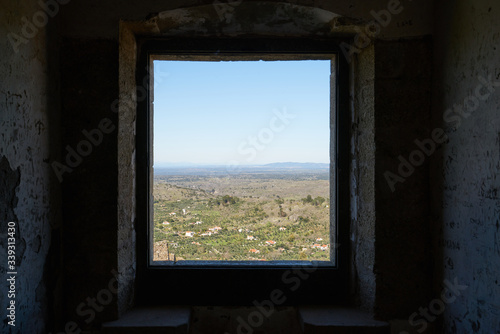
{"points": [[274, 212]]}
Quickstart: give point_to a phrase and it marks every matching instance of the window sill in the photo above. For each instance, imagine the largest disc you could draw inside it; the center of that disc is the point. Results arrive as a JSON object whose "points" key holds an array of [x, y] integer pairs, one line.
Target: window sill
{"points": [[325, 319], [151, 320]]}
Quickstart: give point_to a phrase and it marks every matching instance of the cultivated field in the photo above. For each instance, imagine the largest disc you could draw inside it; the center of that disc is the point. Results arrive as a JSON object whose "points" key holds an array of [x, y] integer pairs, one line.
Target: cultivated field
{"points": [[252, 215]]}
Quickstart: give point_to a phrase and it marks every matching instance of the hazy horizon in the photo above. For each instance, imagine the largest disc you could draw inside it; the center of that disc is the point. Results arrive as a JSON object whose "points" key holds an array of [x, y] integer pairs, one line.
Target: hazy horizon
{"points": [[186, 163]]}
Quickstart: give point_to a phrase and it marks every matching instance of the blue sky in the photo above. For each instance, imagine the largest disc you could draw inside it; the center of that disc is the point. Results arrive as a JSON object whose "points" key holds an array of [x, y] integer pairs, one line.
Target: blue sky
{"points": [[243, 113]]}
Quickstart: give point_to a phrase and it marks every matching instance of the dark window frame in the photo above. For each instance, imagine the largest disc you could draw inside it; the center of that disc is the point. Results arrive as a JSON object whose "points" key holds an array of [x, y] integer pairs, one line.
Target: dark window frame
{"points": [[302, 282]]}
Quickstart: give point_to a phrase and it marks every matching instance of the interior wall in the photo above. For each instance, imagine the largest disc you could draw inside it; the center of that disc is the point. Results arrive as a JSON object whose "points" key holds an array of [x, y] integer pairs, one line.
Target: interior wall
{"points": [[403, 256], [465, 183], [29, 190], [102, 17], [89, 80]]}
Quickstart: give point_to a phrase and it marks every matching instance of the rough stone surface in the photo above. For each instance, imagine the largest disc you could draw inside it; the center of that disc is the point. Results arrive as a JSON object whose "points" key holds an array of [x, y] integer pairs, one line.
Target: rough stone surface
{"points": [[362, 232], [126, 170]]}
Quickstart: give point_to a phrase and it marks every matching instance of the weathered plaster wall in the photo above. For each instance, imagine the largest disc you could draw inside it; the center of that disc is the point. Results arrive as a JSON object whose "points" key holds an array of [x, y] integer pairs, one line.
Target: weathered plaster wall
{"points": [[465, 181], [29, 193]]}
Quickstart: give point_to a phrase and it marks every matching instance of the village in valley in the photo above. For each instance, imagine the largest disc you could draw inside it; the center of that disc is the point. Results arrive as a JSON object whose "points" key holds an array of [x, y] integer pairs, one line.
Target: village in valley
{"points": [[244, 217]]}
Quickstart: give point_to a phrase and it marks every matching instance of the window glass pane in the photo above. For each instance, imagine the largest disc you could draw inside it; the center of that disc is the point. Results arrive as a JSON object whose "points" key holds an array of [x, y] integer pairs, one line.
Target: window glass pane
{"points": [[241, 160]]}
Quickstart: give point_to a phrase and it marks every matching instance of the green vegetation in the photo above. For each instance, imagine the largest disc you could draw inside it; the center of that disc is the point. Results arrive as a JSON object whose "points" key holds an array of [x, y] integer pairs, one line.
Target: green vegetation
{"points": [[241, 217], [317, 201]]}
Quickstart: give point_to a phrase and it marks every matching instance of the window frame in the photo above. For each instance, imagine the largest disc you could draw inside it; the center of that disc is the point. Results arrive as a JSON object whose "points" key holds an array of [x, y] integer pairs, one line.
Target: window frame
{"points": [[310, 278]]}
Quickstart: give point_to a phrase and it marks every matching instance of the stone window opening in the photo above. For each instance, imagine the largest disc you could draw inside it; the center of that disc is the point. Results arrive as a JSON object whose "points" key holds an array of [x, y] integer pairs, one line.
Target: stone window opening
{"points": [[170, 31], [244, 271]]}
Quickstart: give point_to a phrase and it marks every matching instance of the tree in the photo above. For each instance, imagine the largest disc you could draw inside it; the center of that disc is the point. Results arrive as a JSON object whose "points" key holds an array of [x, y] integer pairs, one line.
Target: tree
{"points": [[308, 199]]}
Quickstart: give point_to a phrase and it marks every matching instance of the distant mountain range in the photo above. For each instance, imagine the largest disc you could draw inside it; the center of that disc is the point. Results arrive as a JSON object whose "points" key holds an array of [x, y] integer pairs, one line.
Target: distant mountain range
{"points": [[274, 165], [284, 168]]}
